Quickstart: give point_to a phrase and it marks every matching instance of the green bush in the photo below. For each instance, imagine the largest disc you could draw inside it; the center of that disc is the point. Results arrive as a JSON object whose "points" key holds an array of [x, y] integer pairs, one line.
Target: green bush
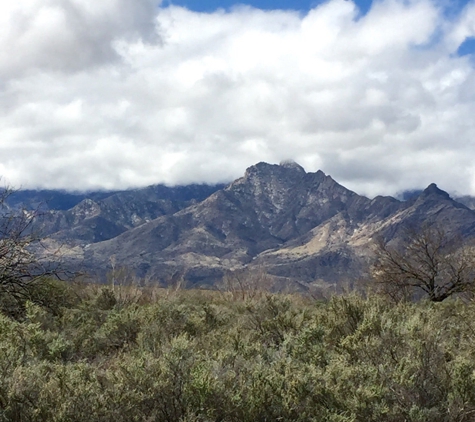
{"points": [[193, 356]]}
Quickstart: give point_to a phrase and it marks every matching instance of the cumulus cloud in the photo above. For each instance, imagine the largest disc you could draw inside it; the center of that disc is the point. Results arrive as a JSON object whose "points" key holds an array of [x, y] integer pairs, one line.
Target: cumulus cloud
{"points": [[68, 34], [122, 93]]}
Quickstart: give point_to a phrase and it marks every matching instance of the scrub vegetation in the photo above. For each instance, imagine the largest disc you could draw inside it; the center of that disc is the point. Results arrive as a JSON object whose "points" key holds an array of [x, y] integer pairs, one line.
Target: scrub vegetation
{"points": [[73, 352], [124, 353]]}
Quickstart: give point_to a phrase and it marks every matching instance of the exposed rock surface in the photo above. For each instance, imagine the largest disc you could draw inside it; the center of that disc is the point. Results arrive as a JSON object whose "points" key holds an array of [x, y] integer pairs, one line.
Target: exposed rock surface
{"points": [[104, 216], [297, 226]]}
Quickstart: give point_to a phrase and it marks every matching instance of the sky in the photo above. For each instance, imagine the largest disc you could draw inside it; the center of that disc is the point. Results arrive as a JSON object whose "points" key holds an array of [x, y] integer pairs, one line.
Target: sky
{"points": [[115, 94]]}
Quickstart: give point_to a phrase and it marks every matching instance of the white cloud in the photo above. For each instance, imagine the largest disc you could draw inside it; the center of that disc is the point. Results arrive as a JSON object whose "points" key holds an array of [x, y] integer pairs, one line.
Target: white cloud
{"points": [[121, 93], [68, 34]]}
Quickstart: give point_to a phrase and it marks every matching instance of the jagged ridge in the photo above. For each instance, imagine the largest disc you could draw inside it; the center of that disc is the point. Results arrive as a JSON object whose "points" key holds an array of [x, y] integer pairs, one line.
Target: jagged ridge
{"points": [[298, 226]]}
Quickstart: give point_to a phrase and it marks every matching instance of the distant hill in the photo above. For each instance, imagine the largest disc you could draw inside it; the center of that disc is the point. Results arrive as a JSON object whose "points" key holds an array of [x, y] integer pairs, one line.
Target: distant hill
{"points": [[60, 200], [51, 199], [468, 201]]}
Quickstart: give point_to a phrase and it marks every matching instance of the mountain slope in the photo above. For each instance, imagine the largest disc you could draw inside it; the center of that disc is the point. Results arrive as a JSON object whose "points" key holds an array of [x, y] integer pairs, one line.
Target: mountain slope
{"points": [[341, 248], [95, 220], [297, 226], [270, 205]]}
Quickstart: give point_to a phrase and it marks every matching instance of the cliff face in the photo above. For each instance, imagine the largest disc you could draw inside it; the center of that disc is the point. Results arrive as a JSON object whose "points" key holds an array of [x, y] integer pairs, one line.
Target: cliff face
{"points": [[297, 226]]}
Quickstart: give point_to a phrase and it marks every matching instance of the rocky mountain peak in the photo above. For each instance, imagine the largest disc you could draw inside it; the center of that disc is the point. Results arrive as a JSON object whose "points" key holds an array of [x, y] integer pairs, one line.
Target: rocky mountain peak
{"points": [[432, 189], [87, 208], [264, 170], [271, 181], [299, 226], [291, 164]]}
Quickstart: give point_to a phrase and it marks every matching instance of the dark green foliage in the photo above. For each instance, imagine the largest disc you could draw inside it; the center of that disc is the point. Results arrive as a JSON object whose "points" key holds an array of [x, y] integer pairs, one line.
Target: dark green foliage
{"points": [[191, 356]]}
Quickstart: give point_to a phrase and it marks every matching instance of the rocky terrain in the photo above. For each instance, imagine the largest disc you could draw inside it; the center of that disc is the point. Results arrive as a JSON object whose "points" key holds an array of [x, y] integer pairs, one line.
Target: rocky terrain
{"points": [[99, 216], [298, 227]]}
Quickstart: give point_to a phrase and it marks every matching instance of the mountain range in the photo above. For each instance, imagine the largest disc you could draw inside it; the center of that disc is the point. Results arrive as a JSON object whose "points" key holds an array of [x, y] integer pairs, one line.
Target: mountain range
{"points": [[301, 228]]}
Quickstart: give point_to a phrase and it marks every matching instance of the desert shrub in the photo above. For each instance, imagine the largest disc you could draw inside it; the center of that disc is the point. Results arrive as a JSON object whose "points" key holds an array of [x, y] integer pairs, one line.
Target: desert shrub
{"points": [[273, 317], [49, 293], [106, 299], [50, 392], [195, 356], [119, 330]]}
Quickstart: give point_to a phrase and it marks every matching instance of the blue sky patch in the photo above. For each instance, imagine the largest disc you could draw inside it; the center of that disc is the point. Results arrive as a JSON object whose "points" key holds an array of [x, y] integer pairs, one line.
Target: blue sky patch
{"points": [[300, 5], [451, 7], [467, 47]]}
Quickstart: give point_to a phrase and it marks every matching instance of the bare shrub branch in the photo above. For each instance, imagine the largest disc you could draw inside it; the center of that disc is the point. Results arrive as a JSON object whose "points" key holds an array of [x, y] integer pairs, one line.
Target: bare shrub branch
{"points": [[247, 284], [431, 262], [24, 261]]}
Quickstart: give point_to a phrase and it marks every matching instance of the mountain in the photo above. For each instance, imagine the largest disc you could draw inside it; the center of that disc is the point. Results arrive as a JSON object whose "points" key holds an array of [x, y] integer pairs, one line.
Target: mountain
{"points": [[340, 249], [297, 226], [300, 228], [47, 199], [100, 216], [468, 201]]}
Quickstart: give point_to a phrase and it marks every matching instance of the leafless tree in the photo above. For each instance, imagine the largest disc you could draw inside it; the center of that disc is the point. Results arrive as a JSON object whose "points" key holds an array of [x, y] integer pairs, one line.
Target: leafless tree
{"points": [[431, 262], [248, 284], [22, 267]]}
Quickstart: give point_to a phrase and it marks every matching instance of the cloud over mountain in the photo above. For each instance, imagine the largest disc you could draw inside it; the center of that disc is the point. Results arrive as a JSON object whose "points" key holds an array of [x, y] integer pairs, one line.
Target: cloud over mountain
{"points": [[124, 93]]}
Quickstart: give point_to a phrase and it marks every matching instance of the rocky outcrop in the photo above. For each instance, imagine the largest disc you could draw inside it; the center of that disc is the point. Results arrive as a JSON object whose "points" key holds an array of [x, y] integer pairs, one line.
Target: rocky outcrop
{"points": [[297, 226], [95, 220]]}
